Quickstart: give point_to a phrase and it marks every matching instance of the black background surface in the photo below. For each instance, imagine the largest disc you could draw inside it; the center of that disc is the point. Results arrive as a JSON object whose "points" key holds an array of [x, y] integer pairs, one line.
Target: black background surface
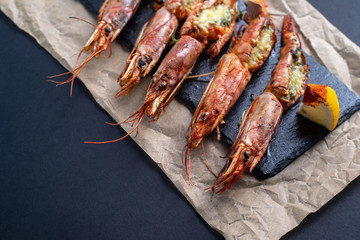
{"points": [[54, 187]]}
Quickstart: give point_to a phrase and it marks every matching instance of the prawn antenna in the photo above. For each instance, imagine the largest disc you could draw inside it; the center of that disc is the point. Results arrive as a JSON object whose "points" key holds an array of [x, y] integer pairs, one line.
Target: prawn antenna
{"points": [[200, 75], [136, 117], [119, 139], [78, 68]]}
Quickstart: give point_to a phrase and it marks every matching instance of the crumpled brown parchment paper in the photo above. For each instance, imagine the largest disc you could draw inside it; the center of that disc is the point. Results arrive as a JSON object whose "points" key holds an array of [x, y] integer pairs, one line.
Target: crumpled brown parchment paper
{"points": [[251, 209]]}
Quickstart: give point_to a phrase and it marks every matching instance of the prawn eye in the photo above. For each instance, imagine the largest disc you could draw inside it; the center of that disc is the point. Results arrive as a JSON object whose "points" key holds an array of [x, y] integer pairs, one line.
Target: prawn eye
{"points": [[204, 116], [246, 156], [162, 85], [108, 29], [141, 63]]}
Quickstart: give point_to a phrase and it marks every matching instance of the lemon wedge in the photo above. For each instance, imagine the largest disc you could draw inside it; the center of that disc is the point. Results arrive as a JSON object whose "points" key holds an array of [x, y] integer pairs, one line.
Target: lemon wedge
{"points": [[320, 105]]}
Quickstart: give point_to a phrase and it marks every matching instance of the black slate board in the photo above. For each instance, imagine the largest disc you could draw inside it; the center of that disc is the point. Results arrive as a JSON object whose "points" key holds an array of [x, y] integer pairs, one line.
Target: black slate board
{"points": [[294, 134]]}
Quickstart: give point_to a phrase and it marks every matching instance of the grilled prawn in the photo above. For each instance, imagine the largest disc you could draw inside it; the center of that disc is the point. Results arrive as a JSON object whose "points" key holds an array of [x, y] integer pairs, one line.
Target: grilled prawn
{"points": [[152, 40], [247, 53], [256, 130], [224, 89], [262, 117], [290, 74], [113, 16]]}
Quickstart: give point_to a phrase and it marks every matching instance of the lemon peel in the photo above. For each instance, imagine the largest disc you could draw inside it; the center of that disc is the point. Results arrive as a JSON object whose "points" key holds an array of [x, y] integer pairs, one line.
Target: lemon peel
{"points": [[320, 105]]}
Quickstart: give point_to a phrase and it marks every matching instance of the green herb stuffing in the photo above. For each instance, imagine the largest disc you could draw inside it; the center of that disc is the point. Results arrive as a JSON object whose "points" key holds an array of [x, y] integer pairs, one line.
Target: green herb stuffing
{"points": [[242, 117], [296, 75], [264, 44], [220, 15], [173, 39]]}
